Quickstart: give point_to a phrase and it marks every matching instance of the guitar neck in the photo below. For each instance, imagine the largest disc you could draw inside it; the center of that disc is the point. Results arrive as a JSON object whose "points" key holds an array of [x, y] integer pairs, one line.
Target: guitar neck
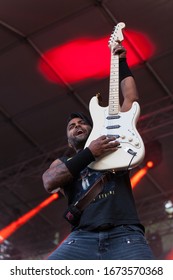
{"points": [[114, 85]]}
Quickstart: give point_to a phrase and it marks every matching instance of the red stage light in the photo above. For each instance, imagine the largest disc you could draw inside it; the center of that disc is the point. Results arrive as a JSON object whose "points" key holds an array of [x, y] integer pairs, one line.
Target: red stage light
{"points": [[85, 58], [136, 178], [11, 228], [150, 164]]}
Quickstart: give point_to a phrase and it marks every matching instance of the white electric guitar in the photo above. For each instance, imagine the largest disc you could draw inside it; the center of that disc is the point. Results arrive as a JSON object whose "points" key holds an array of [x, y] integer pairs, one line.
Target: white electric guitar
{"points": [[111, 121]]}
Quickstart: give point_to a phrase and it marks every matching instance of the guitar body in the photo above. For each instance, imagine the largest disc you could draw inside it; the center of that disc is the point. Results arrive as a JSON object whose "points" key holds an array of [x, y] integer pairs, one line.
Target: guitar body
{"points": [[110, 121], [122, 125]]}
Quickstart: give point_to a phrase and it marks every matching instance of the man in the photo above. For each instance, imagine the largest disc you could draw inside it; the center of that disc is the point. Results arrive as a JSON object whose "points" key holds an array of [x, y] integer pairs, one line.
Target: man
{"points": [[107, 228]]}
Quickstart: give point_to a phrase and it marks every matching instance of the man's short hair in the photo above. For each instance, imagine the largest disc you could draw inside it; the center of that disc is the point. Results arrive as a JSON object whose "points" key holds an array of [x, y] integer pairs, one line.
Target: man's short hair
{"points": [[81, 116]]}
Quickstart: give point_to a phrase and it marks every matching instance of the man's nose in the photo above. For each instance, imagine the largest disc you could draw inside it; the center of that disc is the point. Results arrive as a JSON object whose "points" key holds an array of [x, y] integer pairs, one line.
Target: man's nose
{"points": [[77, 125]]}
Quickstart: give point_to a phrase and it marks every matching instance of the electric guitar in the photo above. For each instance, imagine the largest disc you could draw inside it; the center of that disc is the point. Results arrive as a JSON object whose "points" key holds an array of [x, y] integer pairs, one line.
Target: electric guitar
{"points": [[110, 121]]}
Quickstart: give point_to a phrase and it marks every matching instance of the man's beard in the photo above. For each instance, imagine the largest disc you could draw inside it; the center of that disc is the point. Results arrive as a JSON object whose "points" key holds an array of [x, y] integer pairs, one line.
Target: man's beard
{"points": [[78, 143]]}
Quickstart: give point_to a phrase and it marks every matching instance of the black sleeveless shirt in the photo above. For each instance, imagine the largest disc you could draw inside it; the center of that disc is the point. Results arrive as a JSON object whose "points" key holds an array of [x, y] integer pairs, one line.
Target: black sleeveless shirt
{"points": [[114, 205]]}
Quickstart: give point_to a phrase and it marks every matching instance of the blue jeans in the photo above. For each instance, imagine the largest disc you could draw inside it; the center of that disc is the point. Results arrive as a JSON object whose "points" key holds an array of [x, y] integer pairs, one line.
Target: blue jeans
{"points": [[125, 242]]}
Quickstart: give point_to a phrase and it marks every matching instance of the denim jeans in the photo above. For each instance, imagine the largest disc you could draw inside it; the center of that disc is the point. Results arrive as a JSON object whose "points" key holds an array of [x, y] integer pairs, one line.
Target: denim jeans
{"points": [[125, 242]]}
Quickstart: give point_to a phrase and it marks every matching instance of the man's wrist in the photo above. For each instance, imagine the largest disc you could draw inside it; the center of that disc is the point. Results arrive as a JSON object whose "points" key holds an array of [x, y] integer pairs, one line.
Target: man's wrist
{"points": [[79, 162], [124, 70]]}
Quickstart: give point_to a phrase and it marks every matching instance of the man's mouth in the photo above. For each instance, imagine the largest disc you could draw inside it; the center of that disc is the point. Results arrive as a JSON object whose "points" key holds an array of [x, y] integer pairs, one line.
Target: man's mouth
{"points": [[79, 132]]}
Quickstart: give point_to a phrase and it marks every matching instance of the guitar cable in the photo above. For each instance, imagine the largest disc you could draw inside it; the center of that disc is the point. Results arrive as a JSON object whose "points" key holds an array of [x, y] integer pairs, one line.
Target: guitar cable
{"points": [[128, 167]]}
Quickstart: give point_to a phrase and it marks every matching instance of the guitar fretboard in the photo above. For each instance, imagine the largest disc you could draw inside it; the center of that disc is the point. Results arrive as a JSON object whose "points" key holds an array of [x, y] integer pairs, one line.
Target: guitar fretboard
{"points": [[114, 85]]}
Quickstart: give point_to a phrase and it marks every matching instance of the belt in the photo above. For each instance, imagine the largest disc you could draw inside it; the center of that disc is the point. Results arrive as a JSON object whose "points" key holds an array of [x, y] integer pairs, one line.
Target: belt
{"points": [[105, 227]]}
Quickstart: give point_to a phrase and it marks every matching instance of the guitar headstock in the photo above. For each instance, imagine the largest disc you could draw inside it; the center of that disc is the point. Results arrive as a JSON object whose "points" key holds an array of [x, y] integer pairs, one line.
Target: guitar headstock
{"points": [[117, 35]]}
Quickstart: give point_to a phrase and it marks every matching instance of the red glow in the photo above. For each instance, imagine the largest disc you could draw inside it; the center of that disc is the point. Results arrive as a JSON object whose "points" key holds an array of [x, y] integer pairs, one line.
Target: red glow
{"points": [[140, 174], [86, 58], [11, 228], [169, 255], [150, 164]]}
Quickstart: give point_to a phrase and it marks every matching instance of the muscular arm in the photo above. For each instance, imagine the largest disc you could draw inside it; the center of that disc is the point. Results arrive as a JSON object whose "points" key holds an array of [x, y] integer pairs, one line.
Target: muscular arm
{"points": [[56, 176], [130, 93], [128, 85]]}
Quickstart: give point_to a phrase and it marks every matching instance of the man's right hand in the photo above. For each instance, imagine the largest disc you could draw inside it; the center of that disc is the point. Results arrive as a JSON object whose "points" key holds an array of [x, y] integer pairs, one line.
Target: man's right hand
{"points": [[103, 145]]}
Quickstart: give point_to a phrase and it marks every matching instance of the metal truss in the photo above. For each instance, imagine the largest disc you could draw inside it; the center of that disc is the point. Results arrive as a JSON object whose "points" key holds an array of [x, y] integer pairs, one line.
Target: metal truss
{"points": [[157, 123]]}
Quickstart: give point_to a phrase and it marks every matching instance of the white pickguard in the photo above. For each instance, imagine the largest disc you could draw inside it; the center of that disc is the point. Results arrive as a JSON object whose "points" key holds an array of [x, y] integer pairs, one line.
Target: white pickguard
{"points": [[129, 138]]}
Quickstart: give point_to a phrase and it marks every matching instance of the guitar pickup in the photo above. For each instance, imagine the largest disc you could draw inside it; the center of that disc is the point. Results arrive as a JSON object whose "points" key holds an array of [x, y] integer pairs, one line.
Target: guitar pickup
{"points": [[112, 126], [115, 135], [112, 117]]}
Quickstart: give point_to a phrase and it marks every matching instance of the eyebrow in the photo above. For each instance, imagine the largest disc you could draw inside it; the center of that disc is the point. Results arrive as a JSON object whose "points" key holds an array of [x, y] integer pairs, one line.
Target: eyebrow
{"points": [[69, 125], [73, 123]]}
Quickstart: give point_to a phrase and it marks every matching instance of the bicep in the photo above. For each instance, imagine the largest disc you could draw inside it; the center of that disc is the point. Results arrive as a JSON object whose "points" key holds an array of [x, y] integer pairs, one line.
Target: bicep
{"points": [[56, 176]]}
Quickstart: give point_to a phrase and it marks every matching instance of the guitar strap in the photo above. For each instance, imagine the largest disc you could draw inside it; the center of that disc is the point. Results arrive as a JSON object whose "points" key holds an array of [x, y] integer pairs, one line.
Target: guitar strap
{"points": [[74, 211], [96, 188]]}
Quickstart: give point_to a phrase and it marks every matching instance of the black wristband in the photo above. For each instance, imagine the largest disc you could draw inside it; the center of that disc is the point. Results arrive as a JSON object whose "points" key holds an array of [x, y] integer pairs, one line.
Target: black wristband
{"points": [[124, 70], [76, 164]]}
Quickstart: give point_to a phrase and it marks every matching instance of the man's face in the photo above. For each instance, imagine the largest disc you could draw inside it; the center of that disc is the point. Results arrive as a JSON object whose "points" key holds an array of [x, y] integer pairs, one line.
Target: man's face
{"points": [[77, 133]]}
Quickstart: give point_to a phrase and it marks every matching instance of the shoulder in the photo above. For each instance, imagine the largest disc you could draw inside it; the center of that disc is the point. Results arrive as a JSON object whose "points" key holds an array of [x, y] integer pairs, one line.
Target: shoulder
{"points": [[58, 161], [55, 163]]}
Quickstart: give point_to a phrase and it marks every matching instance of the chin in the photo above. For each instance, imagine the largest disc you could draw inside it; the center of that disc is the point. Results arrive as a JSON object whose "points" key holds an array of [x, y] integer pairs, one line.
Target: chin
{"points": [[81, 142]]}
